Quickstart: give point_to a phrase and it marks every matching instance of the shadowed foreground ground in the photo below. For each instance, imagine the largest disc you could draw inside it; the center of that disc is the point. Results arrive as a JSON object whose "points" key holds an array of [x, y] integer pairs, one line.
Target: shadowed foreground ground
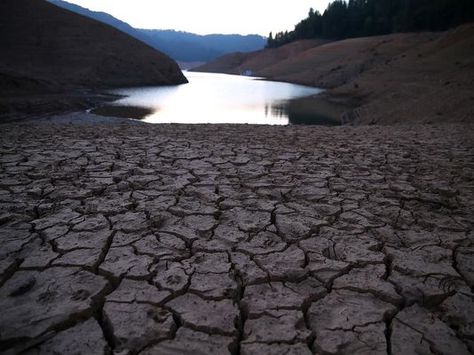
{"points": [[253, 240]]}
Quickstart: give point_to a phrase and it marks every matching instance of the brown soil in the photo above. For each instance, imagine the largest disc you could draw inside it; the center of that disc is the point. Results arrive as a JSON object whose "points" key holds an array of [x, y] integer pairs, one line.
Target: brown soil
{"points": [[237, 63], [28, 105], [49, 49]]}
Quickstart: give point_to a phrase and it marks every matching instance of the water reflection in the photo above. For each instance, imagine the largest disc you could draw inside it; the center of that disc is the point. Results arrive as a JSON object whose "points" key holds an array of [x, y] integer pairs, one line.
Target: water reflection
{"points": [[217, 98], [299, 113]]}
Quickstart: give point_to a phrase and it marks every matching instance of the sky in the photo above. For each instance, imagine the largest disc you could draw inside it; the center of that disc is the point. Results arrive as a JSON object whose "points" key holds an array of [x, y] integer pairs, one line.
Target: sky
{"points": [[209, 16]]}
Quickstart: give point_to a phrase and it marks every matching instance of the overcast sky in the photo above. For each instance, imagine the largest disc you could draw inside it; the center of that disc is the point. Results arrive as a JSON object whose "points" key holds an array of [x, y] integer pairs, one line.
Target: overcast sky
{"points": [[208, 16]]}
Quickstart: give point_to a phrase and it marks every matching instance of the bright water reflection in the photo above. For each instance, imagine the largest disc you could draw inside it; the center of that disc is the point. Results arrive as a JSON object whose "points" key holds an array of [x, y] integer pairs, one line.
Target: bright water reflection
{"points": [[217, 98]]}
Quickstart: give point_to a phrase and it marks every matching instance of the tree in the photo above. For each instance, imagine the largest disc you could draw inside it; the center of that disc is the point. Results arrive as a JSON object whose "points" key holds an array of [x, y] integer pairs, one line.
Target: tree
{"points": [[355, 18], [270, 41]]}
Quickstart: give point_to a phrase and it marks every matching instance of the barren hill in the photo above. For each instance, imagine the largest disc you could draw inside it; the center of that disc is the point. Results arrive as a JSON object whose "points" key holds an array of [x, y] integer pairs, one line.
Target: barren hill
{"points": [[237, 63], [46, 48], [410, 77]]}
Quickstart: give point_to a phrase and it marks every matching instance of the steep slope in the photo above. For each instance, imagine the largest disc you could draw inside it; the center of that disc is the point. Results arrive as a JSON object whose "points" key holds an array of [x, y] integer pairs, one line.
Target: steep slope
{"points": [[104, 18], [48, 48], [432, 82], [336, 63]]}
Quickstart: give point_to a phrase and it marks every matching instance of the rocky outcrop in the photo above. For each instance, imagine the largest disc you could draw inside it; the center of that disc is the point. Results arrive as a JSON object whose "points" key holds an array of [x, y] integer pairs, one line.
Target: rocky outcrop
{"points": [[46, 48]]}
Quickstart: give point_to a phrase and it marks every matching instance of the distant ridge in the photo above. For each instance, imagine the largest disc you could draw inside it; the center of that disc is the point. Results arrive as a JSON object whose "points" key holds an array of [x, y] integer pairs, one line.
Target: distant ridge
{"points": [[181, 46], [190, 47], [48, 48]]}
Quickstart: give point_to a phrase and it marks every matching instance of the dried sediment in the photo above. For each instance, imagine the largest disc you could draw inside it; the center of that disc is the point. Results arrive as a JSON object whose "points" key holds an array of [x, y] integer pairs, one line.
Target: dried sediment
{"points": [[236, 239]]}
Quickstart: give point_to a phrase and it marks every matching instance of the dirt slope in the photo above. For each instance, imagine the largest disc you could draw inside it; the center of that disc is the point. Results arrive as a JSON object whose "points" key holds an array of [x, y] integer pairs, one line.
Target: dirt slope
{"points": [[47, 48], [335, 63], [432, 82], [237, 63], [399, 78]]}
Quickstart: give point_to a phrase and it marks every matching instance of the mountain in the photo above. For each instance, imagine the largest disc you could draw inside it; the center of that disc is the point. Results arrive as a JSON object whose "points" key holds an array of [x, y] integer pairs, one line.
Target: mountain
{"points": [[181, 46], [190, 47], [104, 18], [45, 47], [408, 77]]}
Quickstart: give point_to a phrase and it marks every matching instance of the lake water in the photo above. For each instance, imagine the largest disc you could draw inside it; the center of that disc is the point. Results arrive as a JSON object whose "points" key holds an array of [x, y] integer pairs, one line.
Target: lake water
{"points": [[217, 98]]}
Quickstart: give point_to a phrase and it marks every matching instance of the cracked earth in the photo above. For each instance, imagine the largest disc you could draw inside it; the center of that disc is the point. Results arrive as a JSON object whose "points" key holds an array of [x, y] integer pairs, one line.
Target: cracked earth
{"points": [[140, 239]]}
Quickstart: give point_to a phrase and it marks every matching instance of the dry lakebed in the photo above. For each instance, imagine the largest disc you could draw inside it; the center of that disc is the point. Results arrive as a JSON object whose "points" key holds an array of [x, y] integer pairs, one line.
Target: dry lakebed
{"points": [[129, 238]]}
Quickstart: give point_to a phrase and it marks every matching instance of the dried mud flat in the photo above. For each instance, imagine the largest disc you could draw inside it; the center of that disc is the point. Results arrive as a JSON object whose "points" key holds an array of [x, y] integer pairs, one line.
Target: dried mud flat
{"points": [[236, 239]]}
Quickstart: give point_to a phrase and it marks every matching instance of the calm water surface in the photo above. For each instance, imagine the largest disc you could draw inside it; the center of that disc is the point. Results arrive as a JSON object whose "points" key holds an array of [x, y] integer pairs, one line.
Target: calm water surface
{"points": [[217, 98]]}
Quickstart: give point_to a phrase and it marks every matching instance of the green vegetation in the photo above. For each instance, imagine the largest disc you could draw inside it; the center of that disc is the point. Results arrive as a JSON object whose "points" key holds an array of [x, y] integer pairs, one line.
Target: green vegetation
{"points": [[359, 18]]}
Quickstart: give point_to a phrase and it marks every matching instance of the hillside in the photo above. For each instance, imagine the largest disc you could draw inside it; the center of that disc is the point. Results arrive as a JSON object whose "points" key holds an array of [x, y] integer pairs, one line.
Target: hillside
{"points": [[46, 48], [412, 77], [181, 46], [237, 63], [102, 17]]}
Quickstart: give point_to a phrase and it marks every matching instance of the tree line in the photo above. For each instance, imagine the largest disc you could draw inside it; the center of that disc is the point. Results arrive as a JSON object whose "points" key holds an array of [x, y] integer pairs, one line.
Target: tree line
{"points": [[358, 18]]}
